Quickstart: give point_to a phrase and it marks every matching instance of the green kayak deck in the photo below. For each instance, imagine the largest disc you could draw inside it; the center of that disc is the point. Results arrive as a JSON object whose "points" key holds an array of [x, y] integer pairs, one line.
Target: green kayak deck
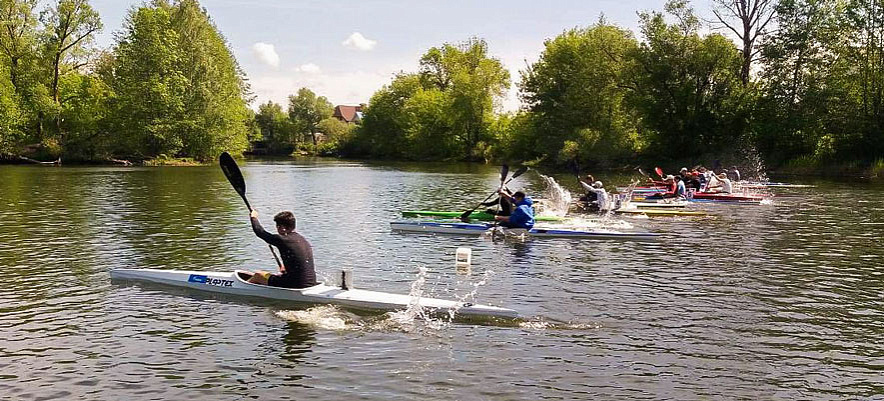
{"points": [[477, 215]]}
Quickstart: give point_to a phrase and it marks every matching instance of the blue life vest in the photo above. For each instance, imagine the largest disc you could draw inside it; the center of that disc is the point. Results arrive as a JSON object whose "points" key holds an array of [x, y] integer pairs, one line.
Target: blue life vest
{"points": [[523, 214]]}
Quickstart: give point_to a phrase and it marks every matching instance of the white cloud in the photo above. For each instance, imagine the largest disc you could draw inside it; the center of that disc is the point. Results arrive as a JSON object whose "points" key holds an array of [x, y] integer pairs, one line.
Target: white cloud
{"points": [[358, 42], [266, 53], [309, 68], [344, 87]]}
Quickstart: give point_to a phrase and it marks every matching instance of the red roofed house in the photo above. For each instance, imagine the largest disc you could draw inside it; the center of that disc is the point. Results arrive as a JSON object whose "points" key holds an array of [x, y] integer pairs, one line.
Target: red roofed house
{"points": [[348, 114]]}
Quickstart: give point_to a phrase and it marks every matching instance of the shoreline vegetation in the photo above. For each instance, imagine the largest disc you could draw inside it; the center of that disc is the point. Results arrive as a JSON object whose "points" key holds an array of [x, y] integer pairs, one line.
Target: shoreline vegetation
{"points": [[793, 85]]}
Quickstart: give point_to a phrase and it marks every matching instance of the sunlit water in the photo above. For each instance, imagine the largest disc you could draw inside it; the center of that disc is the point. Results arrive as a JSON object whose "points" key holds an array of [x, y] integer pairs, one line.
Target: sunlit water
{"points": [[776, 301]]}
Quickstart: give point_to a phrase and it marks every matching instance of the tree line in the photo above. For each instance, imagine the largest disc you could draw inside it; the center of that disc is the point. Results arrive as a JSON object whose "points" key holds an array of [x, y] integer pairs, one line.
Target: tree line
{"points": [[169, 86], [802, 83]]}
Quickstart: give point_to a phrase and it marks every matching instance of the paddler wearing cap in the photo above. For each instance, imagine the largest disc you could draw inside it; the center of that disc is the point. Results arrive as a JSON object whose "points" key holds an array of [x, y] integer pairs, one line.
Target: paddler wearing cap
{"points": [[595, 190], [720, 184]]}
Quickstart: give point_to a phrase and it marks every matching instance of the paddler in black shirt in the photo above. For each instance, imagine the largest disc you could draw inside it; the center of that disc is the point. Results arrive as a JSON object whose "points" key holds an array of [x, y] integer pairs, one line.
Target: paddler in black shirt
{"points": [[297, 254]]}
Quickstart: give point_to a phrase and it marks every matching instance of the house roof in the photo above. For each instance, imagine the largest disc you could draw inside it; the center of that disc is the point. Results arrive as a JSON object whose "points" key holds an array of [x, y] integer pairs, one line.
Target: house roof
{"points": [[347, 113]]}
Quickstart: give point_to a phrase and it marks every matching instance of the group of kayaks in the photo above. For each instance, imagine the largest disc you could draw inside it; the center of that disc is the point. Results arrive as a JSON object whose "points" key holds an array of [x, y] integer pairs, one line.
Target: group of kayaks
{"points": [[236, 282]]}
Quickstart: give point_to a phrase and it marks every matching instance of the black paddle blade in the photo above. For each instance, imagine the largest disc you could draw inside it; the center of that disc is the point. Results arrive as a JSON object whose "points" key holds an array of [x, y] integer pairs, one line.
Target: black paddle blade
{"points": [[465, 216], [234, 175], [504, 171], [519, 172]]}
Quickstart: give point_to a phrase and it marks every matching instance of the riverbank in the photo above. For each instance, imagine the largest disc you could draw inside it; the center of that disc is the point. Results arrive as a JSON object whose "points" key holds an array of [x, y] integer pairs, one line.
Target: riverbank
{"points": [[798, 168], [810, 167]]}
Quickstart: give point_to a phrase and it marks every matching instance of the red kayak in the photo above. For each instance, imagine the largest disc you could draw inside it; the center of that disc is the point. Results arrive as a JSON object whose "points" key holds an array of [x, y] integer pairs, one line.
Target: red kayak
{"points": [[727, 197]]}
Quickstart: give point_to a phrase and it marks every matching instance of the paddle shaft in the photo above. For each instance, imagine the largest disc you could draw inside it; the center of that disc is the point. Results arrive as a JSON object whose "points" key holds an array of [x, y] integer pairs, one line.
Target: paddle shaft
{"points": [[518, 172], [234, 176]]}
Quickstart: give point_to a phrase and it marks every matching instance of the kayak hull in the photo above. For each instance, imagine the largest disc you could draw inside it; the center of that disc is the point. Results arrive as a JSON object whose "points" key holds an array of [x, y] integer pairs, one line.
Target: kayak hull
{"points": [[478, 229], [473, 216], [233, 283], [660, 212], [659, 204], [726, 197]]}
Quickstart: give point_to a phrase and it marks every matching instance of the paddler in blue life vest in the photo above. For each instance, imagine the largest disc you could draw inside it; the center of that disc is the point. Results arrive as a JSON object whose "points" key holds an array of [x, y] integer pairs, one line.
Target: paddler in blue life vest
{"points": [[297, 255], [522, 215]]}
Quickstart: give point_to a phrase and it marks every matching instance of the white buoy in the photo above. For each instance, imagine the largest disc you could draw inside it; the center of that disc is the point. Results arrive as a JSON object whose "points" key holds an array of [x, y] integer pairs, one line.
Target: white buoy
{"points": [[463, 258]]}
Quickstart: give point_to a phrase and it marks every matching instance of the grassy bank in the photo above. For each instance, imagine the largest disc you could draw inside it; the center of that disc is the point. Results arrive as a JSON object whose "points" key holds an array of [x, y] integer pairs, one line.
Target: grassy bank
{"points": [[811, 166]]}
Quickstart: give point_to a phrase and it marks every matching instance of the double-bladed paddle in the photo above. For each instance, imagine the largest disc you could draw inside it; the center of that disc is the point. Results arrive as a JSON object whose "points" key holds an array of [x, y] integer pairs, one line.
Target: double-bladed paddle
{"points": [[504, 170], [234, 175]]}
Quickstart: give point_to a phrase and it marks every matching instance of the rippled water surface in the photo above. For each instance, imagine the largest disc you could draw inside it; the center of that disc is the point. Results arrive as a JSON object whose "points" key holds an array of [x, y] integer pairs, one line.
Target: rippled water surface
{"points": [[779, 301]]}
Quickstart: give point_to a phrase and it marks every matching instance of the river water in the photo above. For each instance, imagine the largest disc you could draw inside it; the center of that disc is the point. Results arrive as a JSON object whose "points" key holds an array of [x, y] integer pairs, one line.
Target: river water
{"points": [[777, 301]]}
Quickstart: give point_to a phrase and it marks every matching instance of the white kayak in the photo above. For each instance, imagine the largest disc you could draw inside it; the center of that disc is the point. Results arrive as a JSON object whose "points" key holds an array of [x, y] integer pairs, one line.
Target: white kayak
{"points": [[235, 283], [480, 228]]}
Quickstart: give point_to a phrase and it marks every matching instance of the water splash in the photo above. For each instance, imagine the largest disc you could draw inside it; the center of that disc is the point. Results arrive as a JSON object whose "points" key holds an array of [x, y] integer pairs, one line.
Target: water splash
{"points": [[407, 319], [584, 223], [754, 164], [413, 318], [326, 317], [558, 199], [470, 296], [542, 324]]}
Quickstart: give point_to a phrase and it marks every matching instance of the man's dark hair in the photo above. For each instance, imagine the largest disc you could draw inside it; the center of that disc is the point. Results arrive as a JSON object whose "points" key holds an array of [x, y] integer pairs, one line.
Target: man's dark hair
{"points": [[519, 194], [285, 219]]}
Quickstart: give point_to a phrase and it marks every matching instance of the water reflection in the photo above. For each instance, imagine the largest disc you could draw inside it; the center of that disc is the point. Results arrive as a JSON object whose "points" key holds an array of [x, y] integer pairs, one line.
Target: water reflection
{"points": [[772, 301]]}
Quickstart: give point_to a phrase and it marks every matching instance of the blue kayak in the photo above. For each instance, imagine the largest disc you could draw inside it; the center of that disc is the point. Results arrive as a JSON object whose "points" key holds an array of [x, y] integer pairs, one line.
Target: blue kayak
{"points": [[477, 229]]}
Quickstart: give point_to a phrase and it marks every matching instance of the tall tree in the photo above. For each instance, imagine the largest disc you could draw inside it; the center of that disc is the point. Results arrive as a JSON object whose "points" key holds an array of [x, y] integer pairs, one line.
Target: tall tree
{"points": [[179, 89], [472, 80], [71, 25], [276, 128], [748, 19], [864, 63], [687, 86], [17, 33], [577, 91], [217, 92], [149, 83], [306, 110], [799, 59]]}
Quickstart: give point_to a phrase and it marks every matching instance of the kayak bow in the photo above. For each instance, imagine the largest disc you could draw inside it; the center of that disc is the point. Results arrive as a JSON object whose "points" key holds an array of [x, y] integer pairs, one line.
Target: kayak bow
{"points": [[235, 283], [477, 229]]}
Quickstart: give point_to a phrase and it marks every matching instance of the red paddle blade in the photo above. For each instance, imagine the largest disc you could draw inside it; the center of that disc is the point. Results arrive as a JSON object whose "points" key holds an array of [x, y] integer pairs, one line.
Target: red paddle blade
{"points": [[659, 171]]}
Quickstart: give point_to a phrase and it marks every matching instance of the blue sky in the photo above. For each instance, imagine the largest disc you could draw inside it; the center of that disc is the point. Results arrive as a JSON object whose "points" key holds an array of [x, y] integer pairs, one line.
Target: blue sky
{"points": [[345, 50]]}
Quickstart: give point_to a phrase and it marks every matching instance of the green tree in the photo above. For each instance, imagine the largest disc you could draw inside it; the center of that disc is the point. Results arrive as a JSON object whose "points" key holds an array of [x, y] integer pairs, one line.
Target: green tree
{"points": [[71, 25], [472, 81], [149, 84], [577, 91], [863, 87], [337, 132], [687, 87], [216, 94], [442, 112], [798, 63], [384, 126], [17, 35], [23, 93], [306, 110], [179, 90], [276, 128], [10, 116]]}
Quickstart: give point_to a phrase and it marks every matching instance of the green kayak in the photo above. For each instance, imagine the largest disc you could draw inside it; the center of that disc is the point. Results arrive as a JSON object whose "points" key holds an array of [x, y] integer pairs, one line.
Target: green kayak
{"points": [[477, 215]]}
